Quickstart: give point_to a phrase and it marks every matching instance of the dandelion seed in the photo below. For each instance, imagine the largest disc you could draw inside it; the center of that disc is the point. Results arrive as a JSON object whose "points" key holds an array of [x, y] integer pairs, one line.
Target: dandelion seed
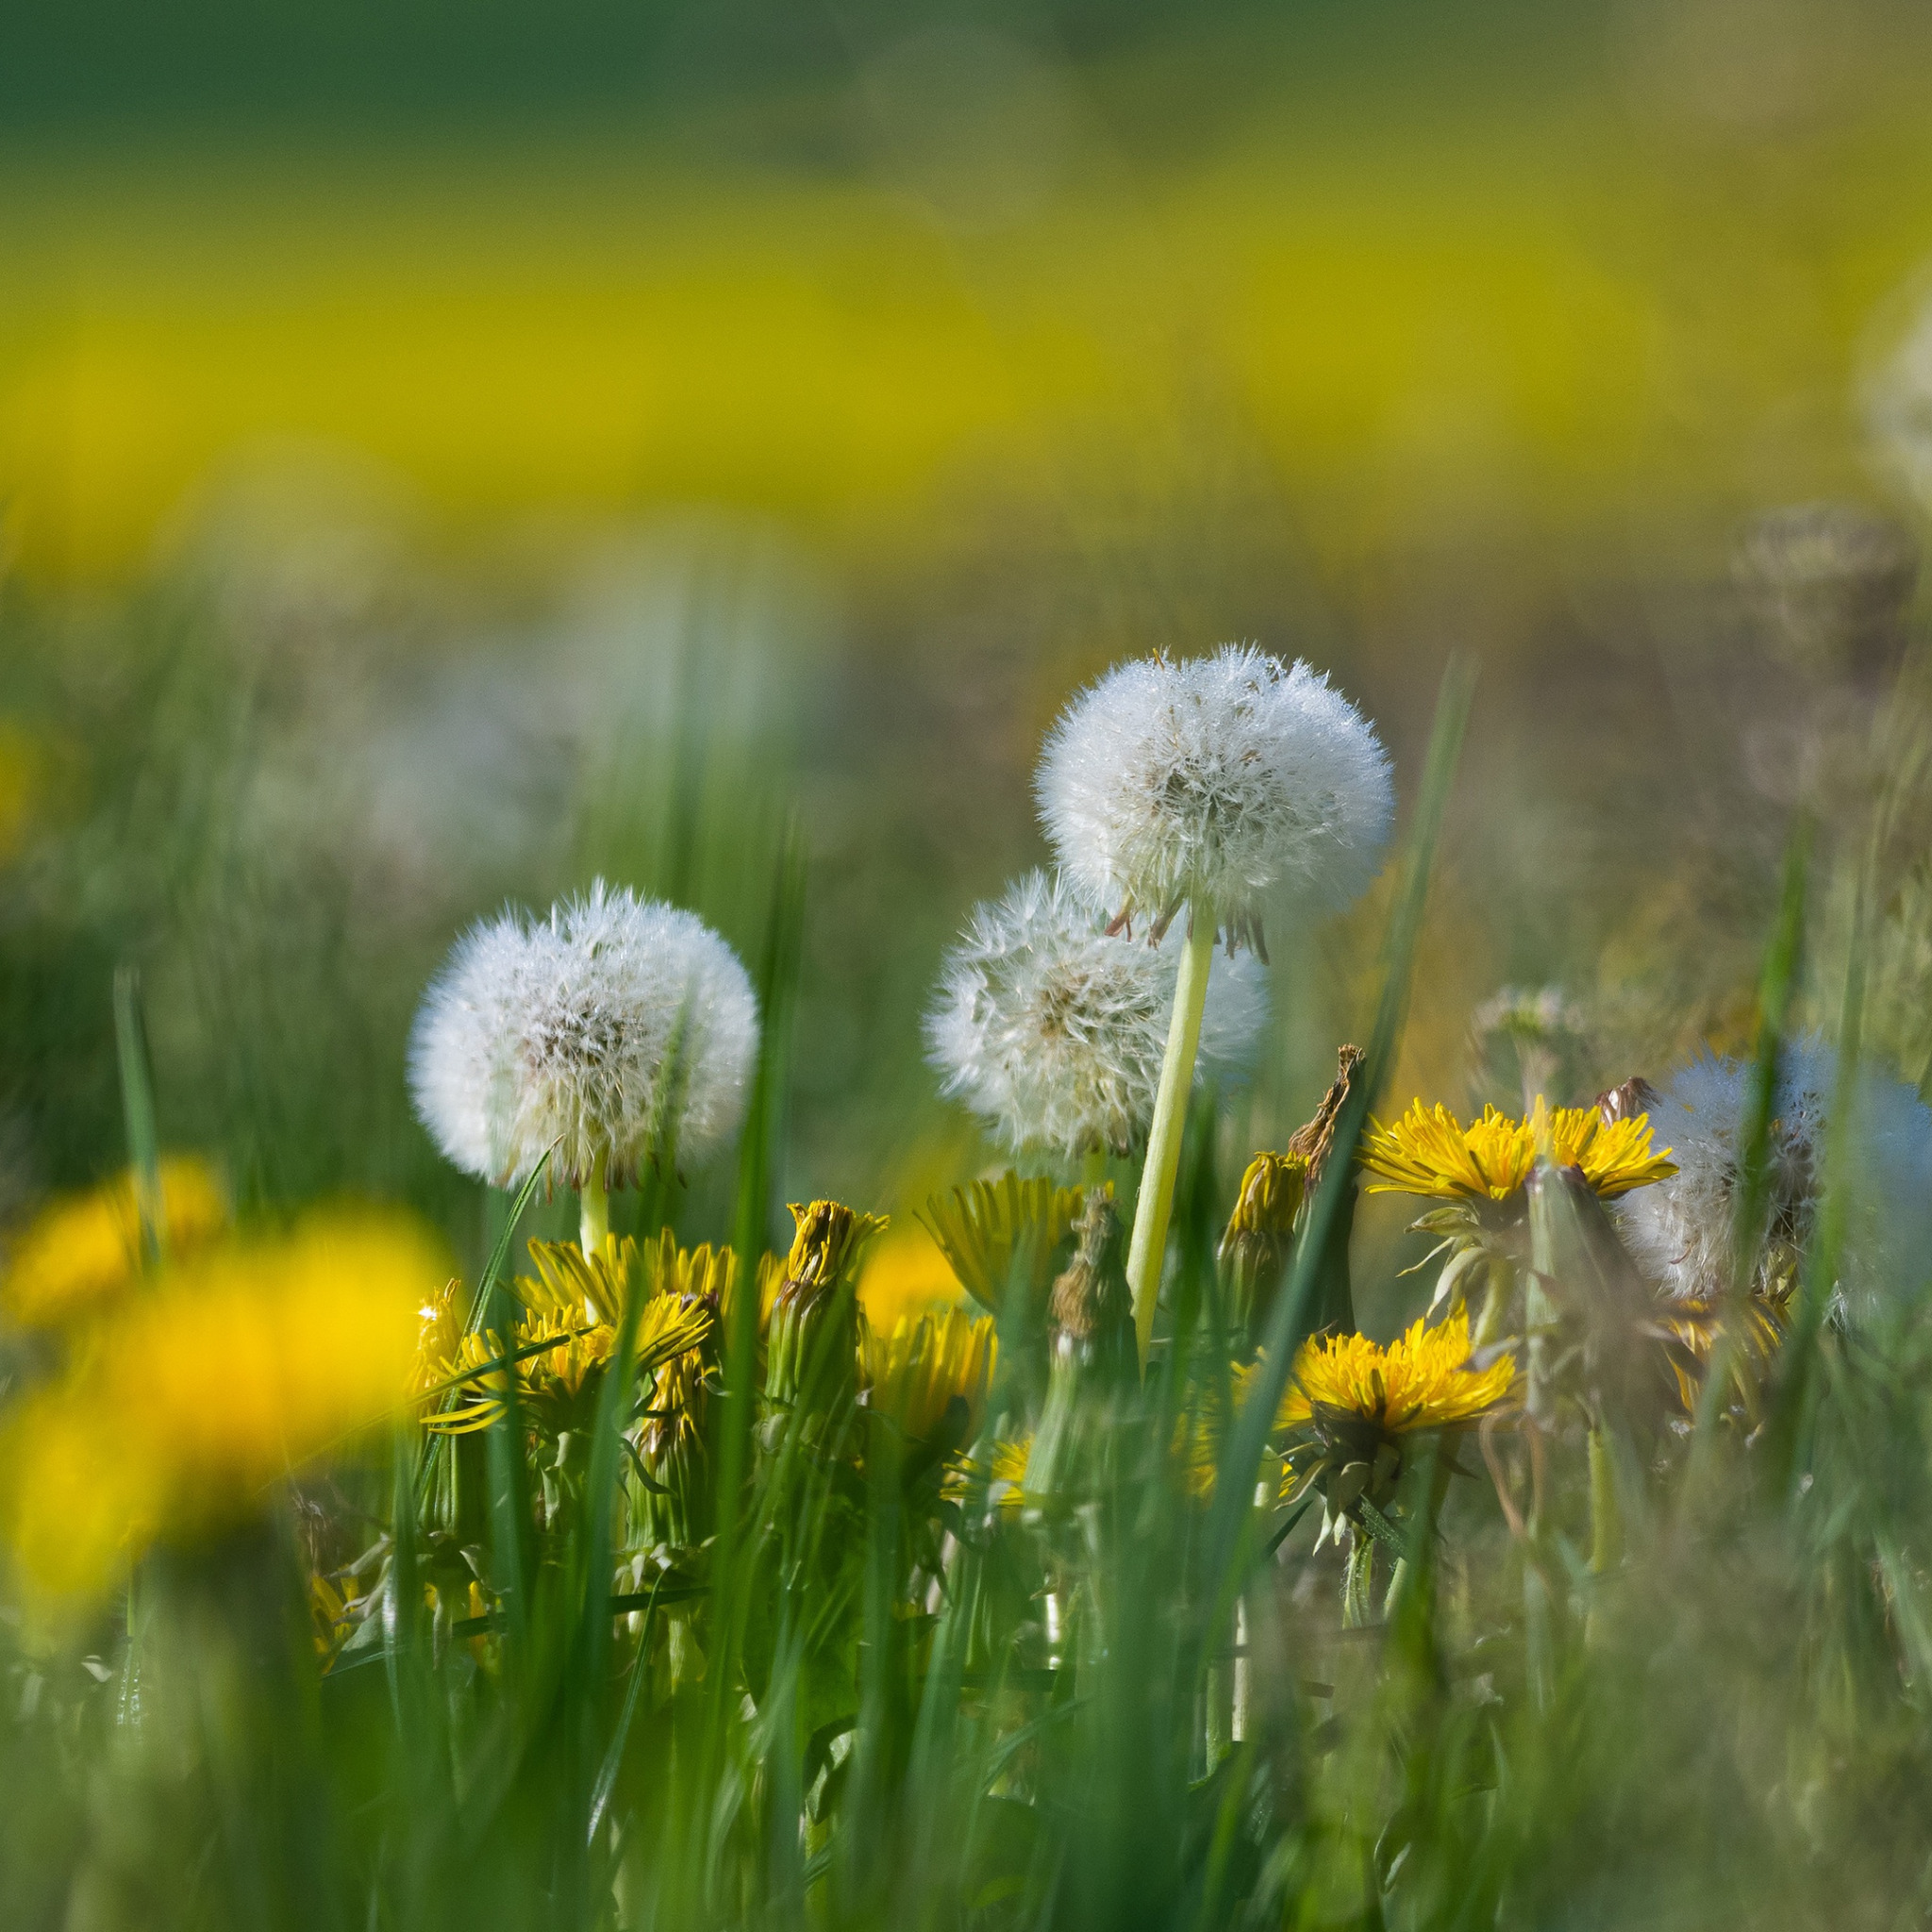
{"points": [[1054, 1032], [1223, 781], [1682, 1232], [611, 1022], [1214, 785]]}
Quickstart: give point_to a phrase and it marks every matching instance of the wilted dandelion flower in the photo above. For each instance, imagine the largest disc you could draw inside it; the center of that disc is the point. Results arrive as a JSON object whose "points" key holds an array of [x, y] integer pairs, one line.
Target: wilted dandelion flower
{"points": [[1221, 781], [242, 1365], [1428, 1152], [612, 1022], [1681, 1233], [1054, 1031], [80, 1251]]}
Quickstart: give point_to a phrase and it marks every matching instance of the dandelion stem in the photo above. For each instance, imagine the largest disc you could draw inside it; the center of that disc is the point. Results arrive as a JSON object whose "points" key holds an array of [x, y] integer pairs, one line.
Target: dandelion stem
{"points": [[593, 1227], [1148, 1247]]}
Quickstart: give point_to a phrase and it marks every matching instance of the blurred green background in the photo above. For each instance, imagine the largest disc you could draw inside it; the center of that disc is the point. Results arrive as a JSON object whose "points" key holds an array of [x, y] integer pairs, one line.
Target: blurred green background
{"points": [[450, 452]]}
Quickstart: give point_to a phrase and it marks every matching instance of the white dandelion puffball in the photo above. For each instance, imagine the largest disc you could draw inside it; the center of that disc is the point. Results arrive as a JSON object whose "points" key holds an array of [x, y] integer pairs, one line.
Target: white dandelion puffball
{"points": [[1680, 1229], [562, 1030], [1054, 1031], [1223, 781]]}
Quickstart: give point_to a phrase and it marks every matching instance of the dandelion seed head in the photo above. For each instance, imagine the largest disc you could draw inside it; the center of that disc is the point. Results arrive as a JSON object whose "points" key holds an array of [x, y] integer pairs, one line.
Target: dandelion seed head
{"points": [[1054, 1031], [566, 1030], [1680, 1229], [1226, 780]]}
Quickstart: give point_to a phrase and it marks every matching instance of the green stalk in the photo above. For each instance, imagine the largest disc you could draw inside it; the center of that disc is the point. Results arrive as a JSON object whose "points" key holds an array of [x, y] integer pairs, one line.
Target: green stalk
{"points": [[1148, 1248], [593, 1227], [1606, 1521], [137, 1109]]}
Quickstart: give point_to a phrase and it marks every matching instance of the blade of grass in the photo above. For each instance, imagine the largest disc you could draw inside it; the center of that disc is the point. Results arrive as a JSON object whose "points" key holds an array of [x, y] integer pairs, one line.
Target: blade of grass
{"points": [[1232, 1509], [1794, 1396], [737, 1407], [1777, 984], [138, 1109]]}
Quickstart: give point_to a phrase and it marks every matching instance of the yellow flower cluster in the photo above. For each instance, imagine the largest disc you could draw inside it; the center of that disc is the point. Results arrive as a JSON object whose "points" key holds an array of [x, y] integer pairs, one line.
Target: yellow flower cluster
{"points": [[1422, 1381], [84, 1249], [575, 1303], [186, 1405], [1429, 1152]]}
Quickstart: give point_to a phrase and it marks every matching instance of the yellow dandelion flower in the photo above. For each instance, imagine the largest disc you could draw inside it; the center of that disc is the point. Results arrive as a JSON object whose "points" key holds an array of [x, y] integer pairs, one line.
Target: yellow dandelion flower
{"points": [[930, 1374], [242, 1365], [989, 1229], [556, 1354], [1422, 1381], [1006, 1473], [84, 1249], [1429, 1152]]}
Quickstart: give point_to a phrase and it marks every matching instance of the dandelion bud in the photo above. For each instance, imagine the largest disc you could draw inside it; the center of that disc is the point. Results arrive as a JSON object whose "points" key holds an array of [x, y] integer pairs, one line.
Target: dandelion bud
{"points": [[615, 1026], [1092, 1313], [1221, 781], [1054, 1031], [1093, 1362], [812, 1338], [1254, 1249]]}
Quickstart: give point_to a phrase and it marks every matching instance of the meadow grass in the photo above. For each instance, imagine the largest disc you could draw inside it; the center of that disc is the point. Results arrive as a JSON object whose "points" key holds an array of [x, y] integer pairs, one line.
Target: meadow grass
{"points": [[1633, 1652]]}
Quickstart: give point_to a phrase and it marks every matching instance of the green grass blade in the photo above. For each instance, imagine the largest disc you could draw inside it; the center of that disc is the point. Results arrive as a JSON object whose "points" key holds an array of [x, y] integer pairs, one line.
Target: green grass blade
{"points": [[1794, 1395], [1777, 984], [1232, 1508], [137, 1107], [737, 1407]]}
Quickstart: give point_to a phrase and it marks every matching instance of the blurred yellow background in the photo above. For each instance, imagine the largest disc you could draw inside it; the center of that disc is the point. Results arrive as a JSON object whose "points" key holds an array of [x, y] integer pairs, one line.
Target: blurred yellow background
{"points": [[1623, 269]]}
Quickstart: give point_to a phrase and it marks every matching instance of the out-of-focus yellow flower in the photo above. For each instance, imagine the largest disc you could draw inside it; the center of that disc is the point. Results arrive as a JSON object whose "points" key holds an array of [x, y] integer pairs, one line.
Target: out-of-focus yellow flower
{"points": [[1006, 1473], [83, 1249], [930, 1374], [905, 1273], [1422, 1381], [1428, 1152], [244, 1364], [988, 1229]]}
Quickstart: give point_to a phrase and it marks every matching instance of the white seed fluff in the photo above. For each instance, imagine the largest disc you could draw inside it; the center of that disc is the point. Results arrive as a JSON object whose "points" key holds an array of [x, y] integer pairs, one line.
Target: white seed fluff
{"points": [[1054, 1032], [562, 1030], [1223, 780], [1679, 1230]]}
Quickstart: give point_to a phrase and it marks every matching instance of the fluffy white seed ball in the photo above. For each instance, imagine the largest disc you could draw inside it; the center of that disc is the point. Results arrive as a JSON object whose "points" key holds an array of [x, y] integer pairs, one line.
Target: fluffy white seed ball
{"points": [[562, 1030], [1680, 1229], [1054, 1032], [1223, 781]]}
